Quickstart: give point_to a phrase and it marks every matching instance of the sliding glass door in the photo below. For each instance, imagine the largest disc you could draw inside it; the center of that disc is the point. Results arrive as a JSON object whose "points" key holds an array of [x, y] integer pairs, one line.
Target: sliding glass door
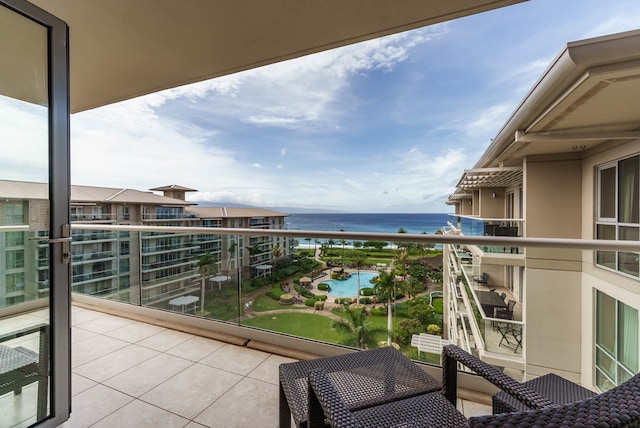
{"points": [[34, 217]]}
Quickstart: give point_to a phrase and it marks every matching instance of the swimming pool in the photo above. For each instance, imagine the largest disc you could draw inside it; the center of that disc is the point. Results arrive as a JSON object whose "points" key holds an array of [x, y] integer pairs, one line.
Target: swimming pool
{"points": [[349, 287]]}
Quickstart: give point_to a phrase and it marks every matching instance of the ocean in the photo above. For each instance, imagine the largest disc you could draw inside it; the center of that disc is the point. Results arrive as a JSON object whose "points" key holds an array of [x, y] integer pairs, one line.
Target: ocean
{"points": [[378, 223]]}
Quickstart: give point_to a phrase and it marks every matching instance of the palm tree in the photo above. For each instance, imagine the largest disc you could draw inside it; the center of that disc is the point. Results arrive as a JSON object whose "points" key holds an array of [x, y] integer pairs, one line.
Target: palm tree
{"points": [[357, 258], [358, 330], [206, 267], [385, 286], [276, 252], [232, 252], [403, 258]]}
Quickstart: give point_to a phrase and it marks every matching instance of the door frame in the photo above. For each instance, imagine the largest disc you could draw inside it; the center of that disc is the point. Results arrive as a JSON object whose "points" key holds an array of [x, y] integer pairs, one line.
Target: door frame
{"points": [[59, 208]]}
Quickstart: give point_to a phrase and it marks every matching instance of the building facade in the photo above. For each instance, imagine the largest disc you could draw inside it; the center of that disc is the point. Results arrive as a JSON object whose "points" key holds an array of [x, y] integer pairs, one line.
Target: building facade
{"points": [[565, 165], [147, 268]]}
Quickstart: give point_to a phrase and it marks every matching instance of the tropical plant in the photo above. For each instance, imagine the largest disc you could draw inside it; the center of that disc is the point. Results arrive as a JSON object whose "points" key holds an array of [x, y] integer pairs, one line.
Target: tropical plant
{"points": [[358, 330], [206, 267], [276, 252], [385, 286], [403, 259], [357, 258], [232, 251]]}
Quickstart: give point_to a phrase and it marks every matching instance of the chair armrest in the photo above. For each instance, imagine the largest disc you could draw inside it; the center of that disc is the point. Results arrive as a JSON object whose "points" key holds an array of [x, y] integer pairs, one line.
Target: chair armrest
{"points": [[451, 355], [324, 401], [618, 407]]}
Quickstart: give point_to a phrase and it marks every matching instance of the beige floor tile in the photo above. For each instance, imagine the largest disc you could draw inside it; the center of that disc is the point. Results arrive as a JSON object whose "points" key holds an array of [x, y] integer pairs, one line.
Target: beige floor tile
{"points": [[115, 362], [165, 340], [470, 408], [201, 384], [196, 348], [249, 403], [95, 403], [105, 324], [81, 316], [135, 331], [80, 383], [139, 414], [19, 409], [78, 334], [267, 371], [148, 375], [95, 347], [196, 425], [235, 359]]}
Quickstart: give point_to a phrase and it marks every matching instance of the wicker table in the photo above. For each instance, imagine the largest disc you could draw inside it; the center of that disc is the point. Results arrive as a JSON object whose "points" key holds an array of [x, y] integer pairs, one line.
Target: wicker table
{"points": [[362, 379], [551, 386]]}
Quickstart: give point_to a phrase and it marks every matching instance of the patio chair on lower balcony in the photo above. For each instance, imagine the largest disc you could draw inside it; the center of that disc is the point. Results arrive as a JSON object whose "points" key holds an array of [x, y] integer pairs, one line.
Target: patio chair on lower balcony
{"points": [[619, 407]]}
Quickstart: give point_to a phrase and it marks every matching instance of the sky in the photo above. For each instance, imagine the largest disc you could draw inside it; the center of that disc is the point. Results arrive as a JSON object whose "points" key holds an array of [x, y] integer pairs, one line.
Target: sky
{"points": [[384, 126]]}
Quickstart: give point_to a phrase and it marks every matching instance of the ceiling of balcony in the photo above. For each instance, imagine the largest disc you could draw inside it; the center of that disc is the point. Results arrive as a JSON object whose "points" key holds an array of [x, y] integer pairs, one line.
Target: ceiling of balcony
{"points": [[120, 49]]}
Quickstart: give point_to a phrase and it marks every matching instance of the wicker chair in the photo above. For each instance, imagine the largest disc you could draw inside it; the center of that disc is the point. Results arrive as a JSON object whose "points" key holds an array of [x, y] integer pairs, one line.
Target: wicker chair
{"points": [[619, 407], [20, 366]]}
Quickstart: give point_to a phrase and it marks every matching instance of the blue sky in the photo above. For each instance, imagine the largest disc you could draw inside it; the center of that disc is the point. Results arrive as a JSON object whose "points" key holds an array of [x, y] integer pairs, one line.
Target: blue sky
{"points": [[382, 126]]}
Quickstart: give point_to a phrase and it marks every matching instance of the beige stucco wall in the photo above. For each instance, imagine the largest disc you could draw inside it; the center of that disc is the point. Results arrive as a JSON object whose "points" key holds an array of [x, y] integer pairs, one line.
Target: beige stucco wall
{"points": [[553, 323], [553, 207], [491, 207]]}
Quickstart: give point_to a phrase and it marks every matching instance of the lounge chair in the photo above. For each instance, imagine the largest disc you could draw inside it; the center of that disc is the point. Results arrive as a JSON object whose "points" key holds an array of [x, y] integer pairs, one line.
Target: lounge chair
{"points": [[619, 407]]}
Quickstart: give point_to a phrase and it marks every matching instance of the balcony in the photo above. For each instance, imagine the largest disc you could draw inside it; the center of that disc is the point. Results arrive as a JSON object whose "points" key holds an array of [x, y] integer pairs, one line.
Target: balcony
{"points": [[476, 226], [238, 308]]}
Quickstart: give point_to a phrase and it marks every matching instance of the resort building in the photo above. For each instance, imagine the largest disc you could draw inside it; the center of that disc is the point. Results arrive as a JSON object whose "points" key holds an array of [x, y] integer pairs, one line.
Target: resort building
{"points": [[565, 165], [148, 268]]}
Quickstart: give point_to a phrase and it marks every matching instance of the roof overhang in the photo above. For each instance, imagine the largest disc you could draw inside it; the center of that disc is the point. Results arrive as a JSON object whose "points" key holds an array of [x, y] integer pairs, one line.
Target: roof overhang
{"points": [[479, 178], [590, 95], [121, 49], [456, 198]]}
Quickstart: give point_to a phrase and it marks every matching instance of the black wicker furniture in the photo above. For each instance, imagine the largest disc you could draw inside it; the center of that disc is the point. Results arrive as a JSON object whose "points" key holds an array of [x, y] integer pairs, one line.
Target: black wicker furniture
{"points": [[557, 389], [619, 407], [360, 379], [20, 366]]}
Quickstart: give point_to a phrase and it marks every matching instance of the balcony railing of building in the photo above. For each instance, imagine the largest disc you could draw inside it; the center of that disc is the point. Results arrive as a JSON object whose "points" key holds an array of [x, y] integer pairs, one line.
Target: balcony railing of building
{"points": [[476, 226], [229, 301], [93, 217]]}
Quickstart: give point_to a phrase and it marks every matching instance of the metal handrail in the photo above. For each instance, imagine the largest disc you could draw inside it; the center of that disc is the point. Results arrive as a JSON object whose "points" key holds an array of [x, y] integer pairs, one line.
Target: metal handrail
{"points": [[580, 244]]}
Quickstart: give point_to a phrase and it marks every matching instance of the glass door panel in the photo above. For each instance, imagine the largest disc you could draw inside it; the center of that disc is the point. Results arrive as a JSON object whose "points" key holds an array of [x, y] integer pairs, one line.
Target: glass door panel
{"points": [[29, 275]]}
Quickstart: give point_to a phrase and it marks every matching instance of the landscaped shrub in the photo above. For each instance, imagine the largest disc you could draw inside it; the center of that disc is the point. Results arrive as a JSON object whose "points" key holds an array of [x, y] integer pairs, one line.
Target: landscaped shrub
{"points": [[306, 293], [378, 312], [275, 293], [366, 300], [318, 306], [324, 286], [346, 300], [368, 291], [286, 299], [433, 329], [309, 302], [321, 297]]}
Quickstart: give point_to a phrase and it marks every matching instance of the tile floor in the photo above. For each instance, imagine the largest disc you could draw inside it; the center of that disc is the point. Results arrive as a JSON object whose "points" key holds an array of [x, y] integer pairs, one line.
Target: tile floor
{"points": [[130, 374]]}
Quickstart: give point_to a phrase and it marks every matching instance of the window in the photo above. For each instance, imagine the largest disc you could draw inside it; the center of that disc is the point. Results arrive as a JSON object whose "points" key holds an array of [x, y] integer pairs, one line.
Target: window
{"points": [[124, 248], [15, 259], [15, 282], [14, 239], [616, 341], [619, 213], [14, 214]]}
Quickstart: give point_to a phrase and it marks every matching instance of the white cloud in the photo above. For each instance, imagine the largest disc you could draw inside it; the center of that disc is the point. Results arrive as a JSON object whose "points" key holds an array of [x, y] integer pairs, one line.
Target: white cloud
{"points": [[256, 165]]}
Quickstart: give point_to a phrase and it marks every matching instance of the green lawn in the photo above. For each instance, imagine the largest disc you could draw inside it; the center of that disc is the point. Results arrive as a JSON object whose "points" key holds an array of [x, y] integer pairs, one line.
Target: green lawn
{"points": [[309, 326]]}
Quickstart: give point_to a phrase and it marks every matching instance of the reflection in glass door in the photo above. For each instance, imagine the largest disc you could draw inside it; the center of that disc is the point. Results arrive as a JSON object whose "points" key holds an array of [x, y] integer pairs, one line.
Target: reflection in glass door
{"points": [[33, 274]]}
